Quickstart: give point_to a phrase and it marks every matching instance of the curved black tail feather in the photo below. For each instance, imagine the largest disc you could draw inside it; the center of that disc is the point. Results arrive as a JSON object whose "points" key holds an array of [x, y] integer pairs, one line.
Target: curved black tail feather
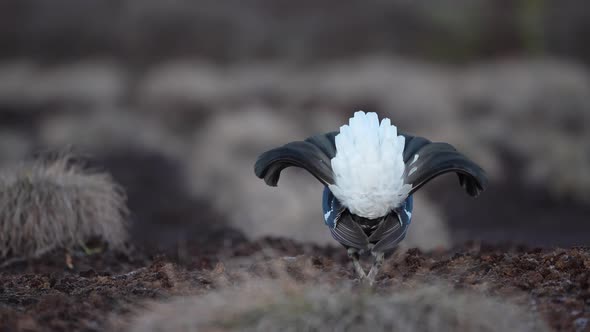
{"points": [[424, 161], [433, 159], [313, 155]]}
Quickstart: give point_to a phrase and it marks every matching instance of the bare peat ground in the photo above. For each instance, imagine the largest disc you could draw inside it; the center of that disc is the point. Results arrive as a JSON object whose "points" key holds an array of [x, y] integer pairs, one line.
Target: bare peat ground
{"points": [[46, 295]]}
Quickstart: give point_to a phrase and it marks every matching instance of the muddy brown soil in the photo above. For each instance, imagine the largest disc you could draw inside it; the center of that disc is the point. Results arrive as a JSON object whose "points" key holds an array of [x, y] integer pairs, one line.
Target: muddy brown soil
{"points": [[47, 295]]}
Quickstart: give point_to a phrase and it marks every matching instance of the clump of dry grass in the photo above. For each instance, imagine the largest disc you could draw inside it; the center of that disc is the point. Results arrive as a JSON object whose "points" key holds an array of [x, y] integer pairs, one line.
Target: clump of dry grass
{"points": [[48, 204], [272, 306]]}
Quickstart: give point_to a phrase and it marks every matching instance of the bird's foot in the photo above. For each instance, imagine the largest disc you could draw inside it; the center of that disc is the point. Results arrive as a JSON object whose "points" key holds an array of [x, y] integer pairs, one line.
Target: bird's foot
{"points": [[353, 254], [363, 277], [377, 263]]}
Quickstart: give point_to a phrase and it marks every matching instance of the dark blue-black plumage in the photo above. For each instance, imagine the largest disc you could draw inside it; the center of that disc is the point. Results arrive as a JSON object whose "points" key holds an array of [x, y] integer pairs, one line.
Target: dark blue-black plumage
{"points": [[423, 159], [361, 233]]}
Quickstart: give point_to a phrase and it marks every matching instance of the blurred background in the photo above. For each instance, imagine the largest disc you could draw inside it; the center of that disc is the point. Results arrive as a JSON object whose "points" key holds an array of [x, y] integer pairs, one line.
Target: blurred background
{"points": [[176, 99]]}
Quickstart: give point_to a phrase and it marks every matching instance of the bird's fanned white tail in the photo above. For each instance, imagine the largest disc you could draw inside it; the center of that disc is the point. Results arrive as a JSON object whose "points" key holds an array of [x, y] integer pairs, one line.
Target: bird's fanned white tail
{"points": [[369, 167]]}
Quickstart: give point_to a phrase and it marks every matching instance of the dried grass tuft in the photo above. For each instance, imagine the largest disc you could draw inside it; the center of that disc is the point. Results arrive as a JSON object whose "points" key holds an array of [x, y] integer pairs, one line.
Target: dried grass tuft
{"points": [[48, 204], [275, 306]]}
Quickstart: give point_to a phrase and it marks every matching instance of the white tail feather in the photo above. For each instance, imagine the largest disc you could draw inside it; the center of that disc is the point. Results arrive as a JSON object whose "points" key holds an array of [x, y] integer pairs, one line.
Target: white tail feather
{"points": [[369, 166]]}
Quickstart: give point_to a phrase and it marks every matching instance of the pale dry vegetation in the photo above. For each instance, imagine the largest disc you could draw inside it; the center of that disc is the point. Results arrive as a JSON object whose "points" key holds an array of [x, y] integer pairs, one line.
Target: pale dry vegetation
{"points": [[286, 306], [55, 203]]}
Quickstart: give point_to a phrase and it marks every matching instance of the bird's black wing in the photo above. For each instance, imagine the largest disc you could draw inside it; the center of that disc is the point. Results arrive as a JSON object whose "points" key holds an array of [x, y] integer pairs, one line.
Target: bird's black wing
{"points": [[426, 160], [389, 233], [326, 143], [412, 145], [314, 155], [349, 233]]}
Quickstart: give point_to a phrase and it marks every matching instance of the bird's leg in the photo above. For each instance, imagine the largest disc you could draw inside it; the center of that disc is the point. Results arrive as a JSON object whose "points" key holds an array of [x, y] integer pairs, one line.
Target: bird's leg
{"points": [[354, 256], [377, 263]]}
